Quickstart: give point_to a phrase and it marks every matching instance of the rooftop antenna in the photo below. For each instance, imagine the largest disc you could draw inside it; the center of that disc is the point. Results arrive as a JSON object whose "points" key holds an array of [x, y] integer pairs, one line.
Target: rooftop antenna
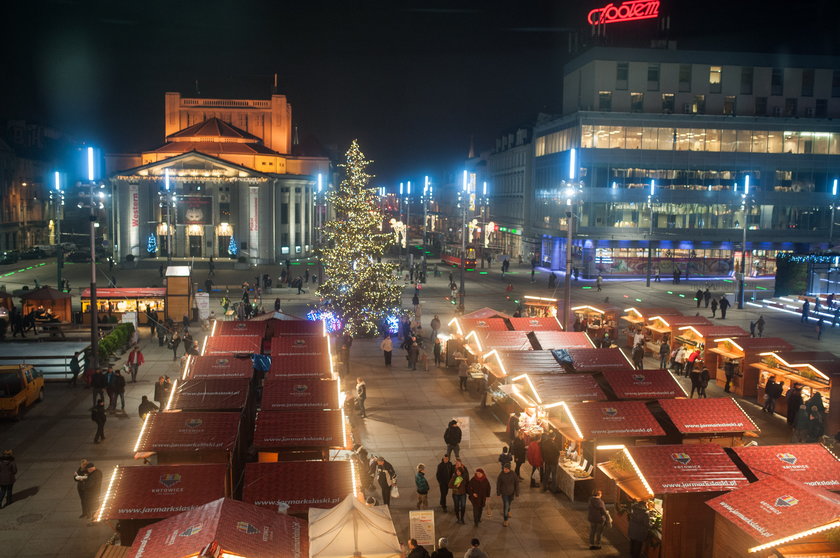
{"points": [[274, 89], [197, 91], [295, 137], [471, 154]]}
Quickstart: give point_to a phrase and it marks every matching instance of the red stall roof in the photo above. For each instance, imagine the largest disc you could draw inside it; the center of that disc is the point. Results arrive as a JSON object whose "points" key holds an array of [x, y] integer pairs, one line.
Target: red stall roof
{"points": [[127, 292], [566, 387], [484, 313], [712, 332], [482, 324], [598, 360], [297, 394], [235, 528], [297, 429], [297, 366], [157, 491], [612, 419], [515, 363], [686, 468], [548, 323], [810, 464], [775, 508], [299, 345], [562, 340], [188, 432], [218, 367], [299, 484], [210, 395], [277, 328], [675, 322], [233, 344], [505, 341], [239, 328], [647, 313], [643, 384], [718, 414]]}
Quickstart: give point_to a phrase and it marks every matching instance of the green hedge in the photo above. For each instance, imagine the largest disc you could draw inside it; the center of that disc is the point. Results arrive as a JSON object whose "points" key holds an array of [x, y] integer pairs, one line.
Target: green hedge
{"points": [[115, 341]]}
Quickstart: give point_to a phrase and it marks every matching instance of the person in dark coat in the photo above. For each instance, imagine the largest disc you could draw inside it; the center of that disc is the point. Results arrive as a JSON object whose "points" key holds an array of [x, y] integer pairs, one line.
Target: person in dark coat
{"points": [[416, 550], [478, 490], [535, 460], [638, 526], [160, 390], [772, 390], [706, 297], [698, 296], [442, 550], [452, 438], [664, 351], [80, 477], [551, 458], [519, 452], [118, 385], [638, 356], [383, 474], [92, 489], [513, 426], [723, 305], [597, 517], [146, 407], [98, 416], [729, 369], [98, 382], [8, 471], [75, 368], [445, 470], [507, 486], [714, 306], [794, 400]]}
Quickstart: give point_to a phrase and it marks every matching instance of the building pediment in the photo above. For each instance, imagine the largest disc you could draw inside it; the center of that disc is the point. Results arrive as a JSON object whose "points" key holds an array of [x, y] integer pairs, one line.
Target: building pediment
{"points": [[191, 164]]}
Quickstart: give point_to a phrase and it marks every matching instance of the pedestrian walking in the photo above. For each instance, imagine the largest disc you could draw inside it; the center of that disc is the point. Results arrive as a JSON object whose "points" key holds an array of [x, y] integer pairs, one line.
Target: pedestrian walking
{"points": [[387, 346], [437, 347], [80, 477], [118, 386], [435, 325], [535, 460], [664, 352], [384, 475], [505, 458], [772, 391], [474, 551], [598, 281], [698, 296], [413, 355], [714, 306], [452, 438], [806, 309], [723, 305], [173, 344], [513, 427], [819, 328], [442, 550], [422, 486], [478, 490], [75, 368], [445, 470], [344, 351], [91, 490], [416, 550], [520, 453], [361, 395], [759, 326], [599, 518], [639, 522], [160, 331], [98, 384], [794, 400], [135, 360], [98, 416], [462, 375], [657, 278], [703, 383], [109, 388], [816, 415], [146, 407], [729, 368], [161, 269], [801, 425], [458, 487], [638, 356], [706, 297], [551, 460], [552, 280], [691, 360], [507, 486], [8, 472], [533, 272]]}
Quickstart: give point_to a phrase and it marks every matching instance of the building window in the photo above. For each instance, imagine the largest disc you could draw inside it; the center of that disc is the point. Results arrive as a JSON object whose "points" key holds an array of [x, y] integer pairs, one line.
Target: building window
{"points": [[790, 106], [284, 214], [821, 108], [668, 103], [637, 102], [777, 79], [835, 83], [605, 101], [746, 80], [685, 77], [808, 82], [622, 71], [714, 79], [760, 106], [224, 212], [653, 77], [729, 105], [699, 105]]}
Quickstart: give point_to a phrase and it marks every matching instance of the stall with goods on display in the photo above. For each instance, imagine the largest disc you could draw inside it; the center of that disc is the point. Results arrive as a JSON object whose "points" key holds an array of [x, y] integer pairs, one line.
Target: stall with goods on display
{"points": [[277, 328], [301, 435], [810, 464], [143, 301], [299, 345], [239, 327], [298, 394], [534, 395], [546, 323], [815, 371], [776, 517], [547, 340], [703, 338], [224, 528], [300, 366], [232, 345], [49, 305], [637, 319], [598, 321], [717, 420], [666, 328], [585, 426], [643, 384], [139, 496], [739, 353], [353, 528], [673, 482], [218, 367], [539, 307], [314, 484]]}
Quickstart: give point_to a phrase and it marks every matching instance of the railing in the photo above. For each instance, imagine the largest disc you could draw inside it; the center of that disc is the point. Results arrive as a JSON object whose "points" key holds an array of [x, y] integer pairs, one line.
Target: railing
{"points": [[225, 103]]}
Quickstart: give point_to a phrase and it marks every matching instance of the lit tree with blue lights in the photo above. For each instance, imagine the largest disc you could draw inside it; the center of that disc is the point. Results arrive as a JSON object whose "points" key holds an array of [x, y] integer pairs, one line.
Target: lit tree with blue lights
{"points": [[233, 249], [358, 289], [151, 245]]}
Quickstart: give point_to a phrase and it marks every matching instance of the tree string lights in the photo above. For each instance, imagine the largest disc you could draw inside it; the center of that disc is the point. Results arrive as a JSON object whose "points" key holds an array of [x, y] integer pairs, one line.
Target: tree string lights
{"points": [[151, 245], [358, 289]]}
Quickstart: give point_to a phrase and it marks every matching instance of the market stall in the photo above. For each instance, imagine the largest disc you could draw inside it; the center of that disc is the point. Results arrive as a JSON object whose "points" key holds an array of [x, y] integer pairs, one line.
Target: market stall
{"points": [[743, 352], [479, 343], [48, 304], [226, 528], [815, 371], [249, 328], [661, 328], [298, 394], [637, 319], [503, 364], [643, 384], [596, 320], [179, 293], [319, 484], [7, 301], [703, 338], [593, 360], [278, 328], [547, 340], [232, 345], [352, 528], [299, 435], [299, 345], [545, 323], [217, 368], [674, 481], [211, 395], [539, 307], [546, 390], [810, 464], [484, 313], [118, 301], [463, 326], [300, 366], [776, 517], [139, 496], [718, 420]]}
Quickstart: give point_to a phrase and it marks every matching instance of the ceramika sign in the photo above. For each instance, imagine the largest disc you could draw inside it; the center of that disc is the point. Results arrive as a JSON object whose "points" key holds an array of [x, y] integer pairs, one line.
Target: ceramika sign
{"points": [[632, 10]]}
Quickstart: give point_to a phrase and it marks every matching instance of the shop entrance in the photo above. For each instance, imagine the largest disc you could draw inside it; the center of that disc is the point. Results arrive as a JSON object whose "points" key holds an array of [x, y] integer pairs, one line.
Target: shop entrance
{"points": [[195, 246], [224, 243]]}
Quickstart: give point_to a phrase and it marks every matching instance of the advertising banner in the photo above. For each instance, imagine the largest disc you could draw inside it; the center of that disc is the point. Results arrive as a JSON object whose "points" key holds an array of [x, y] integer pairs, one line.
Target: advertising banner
{"points": [[195, 210], [254, 220], [133, 219]]}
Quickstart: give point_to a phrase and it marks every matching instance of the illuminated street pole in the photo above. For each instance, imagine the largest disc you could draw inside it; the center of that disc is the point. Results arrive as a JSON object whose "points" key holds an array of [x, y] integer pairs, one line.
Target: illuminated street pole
{"points": [[833, 204], [59, 209], [408, 226], [426, 192], [650, 233], [94, 311], [168, 219], [743, 278], [464, 195], [567, 283]]}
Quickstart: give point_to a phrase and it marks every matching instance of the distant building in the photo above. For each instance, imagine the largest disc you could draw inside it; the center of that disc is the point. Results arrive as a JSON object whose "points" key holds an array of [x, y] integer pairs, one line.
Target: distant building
{"points": [[228, 169], [509, 168]]}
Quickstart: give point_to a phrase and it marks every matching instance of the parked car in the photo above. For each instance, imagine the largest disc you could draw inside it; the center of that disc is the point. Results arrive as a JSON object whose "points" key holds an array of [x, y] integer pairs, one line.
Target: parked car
{"points": [[48, 249], [79, 256], [9, 257], [69, 247], [21, 385], [33, 254]]}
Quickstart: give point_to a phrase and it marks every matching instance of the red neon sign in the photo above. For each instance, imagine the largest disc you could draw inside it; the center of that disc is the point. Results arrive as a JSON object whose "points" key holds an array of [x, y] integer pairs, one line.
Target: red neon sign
{"points": [[628, 11]]}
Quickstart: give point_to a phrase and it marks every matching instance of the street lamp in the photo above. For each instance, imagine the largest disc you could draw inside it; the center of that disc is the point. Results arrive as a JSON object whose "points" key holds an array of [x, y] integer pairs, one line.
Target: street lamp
{"points": [[567, 283], [408, 225], [464, 195], [426, 191], [58, 207], [94, 311], [833, 204], [650, 233], [742, 280]]}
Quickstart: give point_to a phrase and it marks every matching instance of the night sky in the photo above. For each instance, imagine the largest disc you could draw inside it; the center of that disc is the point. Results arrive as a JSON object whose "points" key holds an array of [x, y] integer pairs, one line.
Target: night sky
{"points": [[412, 80]]}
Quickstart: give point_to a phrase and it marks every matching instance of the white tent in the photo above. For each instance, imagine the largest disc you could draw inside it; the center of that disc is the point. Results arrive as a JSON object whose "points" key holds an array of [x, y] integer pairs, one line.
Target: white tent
{"points": [[352, 529]]}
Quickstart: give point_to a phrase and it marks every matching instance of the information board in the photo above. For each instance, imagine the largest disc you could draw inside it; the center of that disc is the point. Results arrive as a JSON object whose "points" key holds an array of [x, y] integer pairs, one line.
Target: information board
{"points": [[422, 526]]}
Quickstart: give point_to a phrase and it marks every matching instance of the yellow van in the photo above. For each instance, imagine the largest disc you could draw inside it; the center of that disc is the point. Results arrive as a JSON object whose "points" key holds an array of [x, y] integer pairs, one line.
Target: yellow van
{"points": [[21, 385]]}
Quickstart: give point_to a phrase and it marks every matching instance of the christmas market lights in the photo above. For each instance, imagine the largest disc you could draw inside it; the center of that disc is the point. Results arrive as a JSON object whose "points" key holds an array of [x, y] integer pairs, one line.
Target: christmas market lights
{"points": [[803, 534]]}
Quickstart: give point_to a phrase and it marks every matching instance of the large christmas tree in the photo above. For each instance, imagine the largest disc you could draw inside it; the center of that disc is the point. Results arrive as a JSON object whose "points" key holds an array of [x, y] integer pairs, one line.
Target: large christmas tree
{"points": [[358, 289]]}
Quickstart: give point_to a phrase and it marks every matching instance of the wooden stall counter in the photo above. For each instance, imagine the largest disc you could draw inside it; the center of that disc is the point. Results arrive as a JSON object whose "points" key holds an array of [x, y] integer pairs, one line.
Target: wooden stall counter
{"points": [[597, 320], [637, 319], [661, 328], [742, 352], [118, 301]]}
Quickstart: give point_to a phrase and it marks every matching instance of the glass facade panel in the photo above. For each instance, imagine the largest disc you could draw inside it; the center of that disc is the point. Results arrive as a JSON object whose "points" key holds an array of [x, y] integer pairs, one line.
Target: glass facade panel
{"points": [[727, 140], [744, 137], [712, 140], [668, 103], [616, 137], [601, 139], [759, 142], [774, 142], [682, 142], [633, 138], [746, 80], [666, 139], [586, 136]]}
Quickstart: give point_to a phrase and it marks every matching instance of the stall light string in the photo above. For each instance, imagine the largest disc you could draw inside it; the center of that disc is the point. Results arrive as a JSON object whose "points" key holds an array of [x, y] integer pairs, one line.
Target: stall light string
{"points": [[790, 538], [107, 494]]}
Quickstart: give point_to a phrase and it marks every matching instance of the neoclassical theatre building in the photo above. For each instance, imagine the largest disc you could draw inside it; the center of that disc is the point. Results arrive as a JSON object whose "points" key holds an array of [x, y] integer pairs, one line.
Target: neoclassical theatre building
{"points": [[228, 170]]}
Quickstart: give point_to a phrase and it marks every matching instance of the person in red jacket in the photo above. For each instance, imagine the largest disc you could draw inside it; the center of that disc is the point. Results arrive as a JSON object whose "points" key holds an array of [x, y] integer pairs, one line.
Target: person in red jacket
{"points": [[135, 359], [478, 490], [535, 459]]}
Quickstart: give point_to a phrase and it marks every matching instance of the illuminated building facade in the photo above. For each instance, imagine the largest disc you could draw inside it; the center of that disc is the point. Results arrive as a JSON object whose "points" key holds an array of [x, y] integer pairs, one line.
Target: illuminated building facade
{"points": [[699, 125], [228, 170]]}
